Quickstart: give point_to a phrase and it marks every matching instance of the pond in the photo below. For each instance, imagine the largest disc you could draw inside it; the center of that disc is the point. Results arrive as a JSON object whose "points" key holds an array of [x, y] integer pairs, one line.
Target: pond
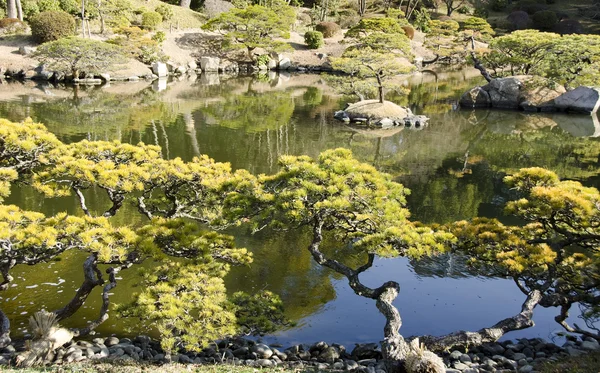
{"points": [[454, 167]]}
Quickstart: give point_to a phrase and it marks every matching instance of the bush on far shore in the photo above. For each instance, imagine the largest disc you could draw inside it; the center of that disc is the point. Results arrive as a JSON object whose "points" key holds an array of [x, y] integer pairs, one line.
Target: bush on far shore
{"points": [[52, 25], [314, 39]]}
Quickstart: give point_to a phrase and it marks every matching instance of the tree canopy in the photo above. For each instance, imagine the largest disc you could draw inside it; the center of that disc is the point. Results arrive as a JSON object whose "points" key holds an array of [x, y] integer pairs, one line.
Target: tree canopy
{"points": [[74, 55], [567, 59], [373, 58], [255, 26], [174, 194]]}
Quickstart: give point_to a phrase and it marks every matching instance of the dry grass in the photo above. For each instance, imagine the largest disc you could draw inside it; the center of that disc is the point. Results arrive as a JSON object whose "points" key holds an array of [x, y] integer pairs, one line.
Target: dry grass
{"points": [[589, 363]]}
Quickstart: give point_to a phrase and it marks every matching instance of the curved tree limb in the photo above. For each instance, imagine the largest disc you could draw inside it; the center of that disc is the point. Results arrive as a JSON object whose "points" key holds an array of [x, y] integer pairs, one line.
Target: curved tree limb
{"points": [[92, 278], [112, 283], [462, 338], [394, 347], [562, 320]]}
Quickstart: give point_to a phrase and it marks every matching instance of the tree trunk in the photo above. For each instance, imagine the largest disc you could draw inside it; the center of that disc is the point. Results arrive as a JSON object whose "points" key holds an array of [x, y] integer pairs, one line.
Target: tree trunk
{"points": [[4, 330], [362, 7], [11, 9], [19, 10], [83, 18], [185, 3], [92, 278]]}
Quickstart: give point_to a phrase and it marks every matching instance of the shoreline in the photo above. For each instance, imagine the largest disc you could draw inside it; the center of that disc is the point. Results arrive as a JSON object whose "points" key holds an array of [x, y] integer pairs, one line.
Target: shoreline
{"points": [[522, 355]]}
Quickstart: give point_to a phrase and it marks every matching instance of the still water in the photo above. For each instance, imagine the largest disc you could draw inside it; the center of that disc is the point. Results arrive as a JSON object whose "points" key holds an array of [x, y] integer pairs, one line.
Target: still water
{"points": [[454, 167]]}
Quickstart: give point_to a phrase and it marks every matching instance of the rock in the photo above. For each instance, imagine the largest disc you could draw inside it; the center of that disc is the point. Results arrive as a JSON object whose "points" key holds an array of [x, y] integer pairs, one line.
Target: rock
{"points": [[589, 346], [455, 355], [475, 98], [263, 363], [262, 351], [160, 69], [580, 100], [184, 359], [29, 74], [117, 352], [241, 352], [351, 365], [192, 65], [26, 51], [514, 92], [460, 366], [209, 64], [367, 362], [285, 63], [505, 92], [526, 369], [464, 358], [105, 77], [366, 351], [272, 64], [380, 115], [180, 70], [329, 355]]}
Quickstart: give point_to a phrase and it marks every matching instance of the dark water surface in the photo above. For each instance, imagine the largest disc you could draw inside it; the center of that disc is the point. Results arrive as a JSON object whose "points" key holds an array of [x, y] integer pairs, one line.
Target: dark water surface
{"points": [[454, 167]]}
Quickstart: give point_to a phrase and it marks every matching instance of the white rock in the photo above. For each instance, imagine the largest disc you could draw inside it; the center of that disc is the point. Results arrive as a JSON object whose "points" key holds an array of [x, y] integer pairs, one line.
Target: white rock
{"points": [[160, 69], [209, 64]]}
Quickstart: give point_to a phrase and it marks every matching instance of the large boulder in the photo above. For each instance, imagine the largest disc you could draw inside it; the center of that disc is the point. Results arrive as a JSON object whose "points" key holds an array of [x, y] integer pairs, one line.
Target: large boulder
{"points": [[523, 92], [209, 64], [580, 100], [373, 113], [476, 97], [160, 69]]}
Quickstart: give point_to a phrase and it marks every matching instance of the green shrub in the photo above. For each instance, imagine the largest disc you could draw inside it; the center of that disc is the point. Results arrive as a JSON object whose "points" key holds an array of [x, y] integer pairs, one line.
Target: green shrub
{"points": [[348, 18], [519, 20], [30, 9], [530, 6], [446, 28], [498, 5], [477, 24], [544, 20], [568, 26], [395, 13], [463, 10], [409, 31], [314, 39], [2, 13], [151, 20], [12, 26], [75, 55], [165, 11], [138, 45], [70, 6], [48, 5], [53, 25], [159, 37], [422, 20], [329, 29]]}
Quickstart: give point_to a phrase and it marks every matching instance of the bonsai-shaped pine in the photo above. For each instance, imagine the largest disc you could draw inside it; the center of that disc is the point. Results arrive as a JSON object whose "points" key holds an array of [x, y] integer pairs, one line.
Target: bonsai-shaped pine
{"points": [[373, 59], [75, 55], [553, 258], [569, 60], [340, 198], [184, 296], [255, 26]]}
